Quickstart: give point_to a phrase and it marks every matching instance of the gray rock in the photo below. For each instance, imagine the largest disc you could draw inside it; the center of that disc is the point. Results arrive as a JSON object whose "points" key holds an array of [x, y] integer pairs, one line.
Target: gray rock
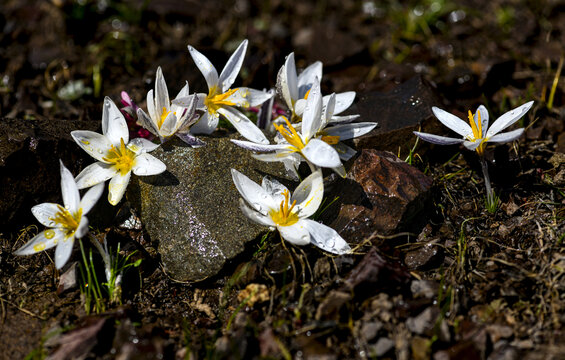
{"points": [[382, 346], [192, 210]]}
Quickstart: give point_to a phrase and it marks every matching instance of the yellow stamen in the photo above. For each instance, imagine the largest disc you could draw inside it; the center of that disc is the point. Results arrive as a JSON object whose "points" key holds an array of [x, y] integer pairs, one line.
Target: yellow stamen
{"points": [[284, 216], [307, 93], [67, 220], [290, 135], [215, 101], [121, 158], [477, 132], [164, 115], [330, 139]]}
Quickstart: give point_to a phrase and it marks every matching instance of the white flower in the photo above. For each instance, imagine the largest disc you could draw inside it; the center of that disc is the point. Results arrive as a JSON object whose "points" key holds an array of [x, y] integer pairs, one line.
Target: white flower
{"points": [[272, 205], [297, 146], [223, 100], [477, 133], [166, 119], [295, 90], [117, 156], [65, 222]]}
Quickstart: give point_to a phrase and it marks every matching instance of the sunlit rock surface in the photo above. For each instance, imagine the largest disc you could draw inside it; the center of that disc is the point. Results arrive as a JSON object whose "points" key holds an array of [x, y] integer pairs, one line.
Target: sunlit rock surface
{"points": [[192, 210]]}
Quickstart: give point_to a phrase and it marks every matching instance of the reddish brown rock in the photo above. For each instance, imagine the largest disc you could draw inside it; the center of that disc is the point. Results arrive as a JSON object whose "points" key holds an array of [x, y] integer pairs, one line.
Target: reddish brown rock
{"points": [[380, 194]]}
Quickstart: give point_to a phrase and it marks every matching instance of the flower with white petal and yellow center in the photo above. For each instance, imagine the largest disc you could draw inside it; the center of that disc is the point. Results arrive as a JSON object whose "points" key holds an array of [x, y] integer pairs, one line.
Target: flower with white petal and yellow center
{"points": [[65, 223], [271, 204], [117, 156]]}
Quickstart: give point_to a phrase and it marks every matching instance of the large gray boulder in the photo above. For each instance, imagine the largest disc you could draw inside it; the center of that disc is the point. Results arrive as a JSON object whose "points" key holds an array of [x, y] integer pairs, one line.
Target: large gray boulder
{"points": [[192, 210]]}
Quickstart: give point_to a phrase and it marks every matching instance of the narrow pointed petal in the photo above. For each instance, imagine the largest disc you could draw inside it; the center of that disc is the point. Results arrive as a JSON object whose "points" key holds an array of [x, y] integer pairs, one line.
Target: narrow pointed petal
{"points": [[63, 251], [342, 101], [309, 194], [69, 190], [340, 170], [254, 215], [146, 122], [436, 139], [453, 122], [117, 187], [256, 97], [96, 145], [484, 119], [296, 233], [321, 154], [94, 174], [90, 198], [205, 66], [507, 136], [259, 147], [275, 157], [243, 125], [191, 140], [44, 213], [343, 119], [116, 126], [141, 145], [39, 242], [186, 114], [146, 164], [205, 125], [326, 238], [154, 115], [345, 152], [307, 77], [253, 193], [350, 131], [161, 92], [508, 119], [327, 110], [168, 127], [230, 71], [287, 81], [312, 118], [274, 188], [472, 145]]}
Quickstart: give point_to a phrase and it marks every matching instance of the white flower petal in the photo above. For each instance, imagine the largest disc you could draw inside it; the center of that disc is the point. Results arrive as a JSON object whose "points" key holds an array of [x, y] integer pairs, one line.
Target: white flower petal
{"points": [[299, 107], [345, 152], [309, 194], [340, 170], [162, 100], [90, 198], [350, 131], [343, 119], [96, 145], [295, 233], [276, 157], [342, 101], [190, 139], [69, 190], [230, 71], [274, 188], [254, 215], [436, 139], [141, 145], [152, 109], [205, 125], [312, 118], [82, 228], [255, 97], [321, 154], [259, 147], [507, 136], [168, 127], [252, 192], [146, 164], [508, 119], [307, 77], [287, 81], [243, 125], [453, 122], [327, 109], [472, 145], [147, 122], [117, 187], [116, 126], [94, 174], [45, 212], [205, 67], [63, 251], [326, 238], [484, 119], [39, 242]]}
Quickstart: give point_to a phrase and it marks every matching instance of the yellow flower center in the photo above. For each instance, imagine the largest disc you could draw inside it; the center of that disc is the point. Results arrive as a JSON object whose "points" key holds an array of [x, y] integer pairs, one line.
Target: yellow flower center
{"points": [[215, 101], [477, 131], [164, 115], [67, 220], [284, 216], [121, 158], [290, 135]]}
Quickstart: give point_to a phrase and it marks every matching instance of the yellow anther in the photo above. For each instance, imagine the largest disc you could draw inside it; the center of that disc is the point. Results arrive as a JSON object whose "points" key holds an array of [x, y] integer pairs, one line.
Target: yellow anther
{"points": [[164, 115], [214, 101], [69, 222], [121, 158], [330, 139], [285, 216], [477, 132], [290, 135]]}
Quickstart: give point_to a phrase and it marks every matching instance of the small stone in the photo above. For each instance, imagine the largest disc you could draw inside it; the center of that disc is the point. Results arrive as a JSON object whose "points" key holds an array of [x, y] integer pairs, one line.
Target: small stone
{"points": [[382, 346], [68, 280], [423, 256], [369, 330], [424, 288], [424, 322]]}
